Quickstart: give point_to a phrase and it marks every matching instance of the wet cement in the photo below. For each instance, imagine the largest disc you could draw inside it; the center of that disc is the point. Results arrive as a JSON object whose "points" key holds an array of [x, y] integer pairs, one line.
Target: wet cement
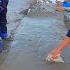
{"points": [[34, 39]]}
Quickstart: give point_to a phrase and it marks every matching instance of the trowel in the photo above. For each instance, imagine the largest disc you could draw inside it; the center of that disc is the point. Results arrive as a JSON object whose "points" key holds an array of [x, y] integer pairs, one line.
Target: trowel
{"points": [[59, 59]]}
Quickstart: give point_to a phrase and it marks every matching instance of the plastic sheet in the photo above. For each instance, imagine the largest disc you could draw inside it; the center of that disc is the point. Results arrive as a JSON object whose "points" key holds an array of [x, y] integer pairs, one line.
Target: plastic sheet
{"points": [[66, 4]]}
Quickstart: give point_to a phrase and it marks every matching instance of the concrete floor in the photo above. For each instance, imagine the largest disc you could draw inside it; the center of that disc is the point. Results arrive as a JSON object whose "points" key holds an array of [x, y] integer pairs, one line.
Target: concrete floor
{"points": [[34, 38]]}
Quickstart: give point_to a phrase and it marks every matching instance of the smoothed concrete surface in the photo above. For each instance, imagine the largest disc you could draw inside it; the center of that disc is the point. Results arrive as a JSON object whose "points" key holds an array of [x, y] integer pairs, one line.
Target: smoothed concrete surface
{"points": [[33, 40]]}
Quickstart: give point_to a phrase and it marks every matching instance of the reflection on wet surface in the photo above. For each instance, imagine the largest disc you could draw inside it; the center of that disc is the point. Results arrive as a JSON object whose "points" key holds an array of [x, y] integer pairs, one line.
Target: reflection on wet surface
{"points": [[4, 50]]}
